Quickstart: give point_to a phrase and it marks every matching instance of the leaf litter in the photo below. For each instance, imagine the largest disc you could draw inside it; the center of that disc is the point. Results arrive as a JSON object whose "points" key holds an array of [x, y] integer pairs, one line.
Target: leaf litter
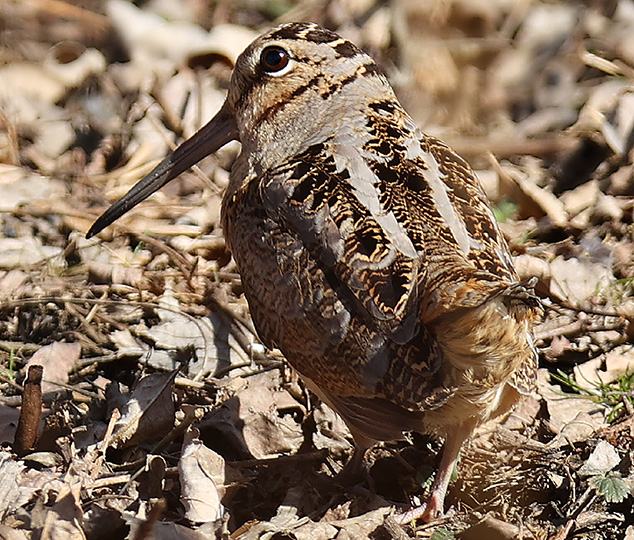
{"points": [[162, 414]]}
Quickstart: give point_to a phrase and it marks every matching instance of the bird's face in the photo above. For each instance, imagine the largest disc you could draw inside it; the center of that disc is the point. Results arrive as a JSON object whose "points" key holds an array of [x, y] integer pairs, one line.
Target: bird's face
{"points": [[295, 86], [292, 87]]}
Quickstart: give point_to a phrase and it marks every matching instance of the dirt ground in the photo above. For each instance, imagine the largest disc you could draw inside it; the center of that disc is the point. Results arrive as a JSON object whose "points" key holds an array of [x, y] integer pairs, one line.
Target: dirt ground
{"points": [[162, 414]]}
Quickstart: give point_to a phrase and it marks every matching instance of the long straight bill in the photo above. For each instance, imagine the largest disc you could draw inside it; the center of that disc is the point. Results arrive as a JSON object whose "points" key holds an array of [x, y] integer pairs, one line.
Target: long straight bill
{"points": [[214, 135]]}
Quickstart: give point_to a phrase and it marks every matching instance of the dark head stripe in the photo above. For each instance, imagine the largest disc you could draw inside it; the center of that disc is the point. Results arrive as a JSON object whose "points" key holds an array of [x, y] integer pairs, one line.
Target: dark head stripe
{"points": [[279, 105], [321, 35], [347, 49], [366, 70], [307, 32], [293, 31], [314, 34]]}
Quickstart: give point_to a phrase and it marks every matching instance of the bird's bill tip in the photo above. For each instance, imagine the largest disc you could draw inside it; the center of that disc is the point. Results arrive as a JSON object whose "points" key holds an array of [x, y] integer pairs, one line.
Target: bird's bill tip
{"points": [[220, 130]]}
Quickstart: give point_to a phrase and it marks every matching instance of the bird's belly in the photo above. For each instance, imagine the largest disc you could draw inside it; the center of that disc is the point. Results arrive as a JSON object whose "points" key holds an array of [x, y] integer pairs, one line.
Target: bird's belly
{"points": [[289, 298], [489, 357]]}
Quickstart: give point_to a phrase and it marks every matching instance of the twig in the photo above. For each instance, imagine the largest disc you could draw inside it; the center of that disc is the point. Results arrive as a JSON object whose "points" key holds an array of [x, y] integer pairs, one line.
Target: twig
{"points": [[30, 413], [96, 336], [577, 327], [319, 455], [185, 266], [13, 346], [137, 303], [563, 533], [67, 10], [108, 481], [100, 453], [192, 414], [504, 148], [395, 531]]}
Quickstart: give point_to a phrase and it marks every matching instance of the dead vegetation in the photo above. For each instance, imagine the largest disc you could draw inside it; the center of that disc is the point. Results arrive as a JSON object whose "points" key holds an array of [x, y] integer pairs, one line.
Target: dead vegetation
{"points": [[163, 417]]}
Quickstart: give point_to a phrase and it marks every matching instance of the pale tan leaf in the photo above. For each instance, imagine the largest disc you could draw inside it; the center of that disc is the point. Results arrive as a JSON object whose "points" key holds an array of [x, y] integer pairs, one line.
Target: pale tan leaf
{"points": [[58, 360], [199, 471]]}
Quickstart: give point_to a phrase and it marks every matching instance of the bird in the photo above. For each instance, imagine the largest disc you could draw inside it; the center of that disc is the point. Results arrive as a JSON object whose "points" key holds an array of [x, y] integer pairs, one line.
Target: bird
{"points": [[368, 251]]}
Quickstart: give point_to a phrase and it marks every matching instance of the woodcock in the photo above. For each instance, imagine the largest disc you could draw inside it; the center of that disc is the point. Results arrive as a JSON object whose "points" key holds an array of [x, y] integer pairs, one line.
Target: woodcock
{"points": [[368, 252]]}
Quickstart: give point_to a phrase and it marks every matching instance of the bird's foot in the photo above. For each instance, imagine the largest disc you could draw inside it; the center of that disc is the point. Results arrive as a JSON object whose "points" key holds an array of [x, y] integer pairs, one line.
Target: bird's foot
{"points": [[428, 511]]}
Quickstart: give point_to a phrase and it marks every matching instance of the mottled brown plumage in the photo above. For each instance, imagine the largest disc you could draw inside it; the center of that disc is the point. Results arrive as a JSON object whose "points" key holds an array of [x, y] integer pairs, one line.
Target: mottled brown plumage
{"points": [[368, 252]]}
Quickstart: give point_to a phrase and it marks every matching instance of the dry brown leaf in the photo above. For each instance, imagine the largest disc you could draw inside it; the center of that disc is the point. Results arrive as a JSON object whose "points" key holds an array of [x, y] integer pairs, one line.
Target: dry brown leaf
{"points": [[18, 186], [149, 412], [154, 43], [13, 494], [609, 110], [252, 419], [9, 533], [491, 529], [72, 63], [163, 530], [117, 274], [24, 82], [331, 432], [618, 362], [362, 526], [581, 198], [12, 281], [58, 360], [528, 267], [549, 203], [577, 280], [316, 531], [63, 520], [609, 207], [227, 40], [575, 419], [587, 375], [26, 251], [208, 337], [286, 522], [602, 460], [201, 473], [8, 422]]}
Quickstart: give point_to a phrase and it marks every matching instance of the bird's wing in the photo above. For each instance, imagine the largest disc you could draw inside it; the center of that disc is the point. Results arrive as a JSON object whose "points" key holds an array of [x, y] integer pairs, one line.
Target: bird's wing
{"points": [[364, 251], [395, 217], [470, 260]]}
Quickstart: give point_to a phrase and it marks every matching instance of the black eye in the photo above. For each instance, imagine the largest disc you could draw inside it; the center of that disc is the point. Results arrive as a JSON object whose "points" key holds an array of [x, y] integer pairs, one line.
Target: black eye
{"points": [[274, 59]]}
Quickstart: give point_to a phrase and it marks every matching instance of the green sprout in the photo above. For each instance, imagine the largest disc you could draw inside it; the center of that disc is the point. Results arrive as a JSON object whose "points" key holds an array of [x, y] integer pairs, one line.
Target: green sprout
{"points": [[611, 395], [505, 210], [611, 487]]}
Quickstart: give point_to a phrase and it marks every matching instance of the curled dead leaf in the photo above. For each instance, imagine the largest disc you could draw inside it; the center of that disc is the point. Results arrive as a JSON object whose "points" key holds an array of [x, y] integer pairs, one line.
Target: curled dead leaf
{"points": [[148, 413]]}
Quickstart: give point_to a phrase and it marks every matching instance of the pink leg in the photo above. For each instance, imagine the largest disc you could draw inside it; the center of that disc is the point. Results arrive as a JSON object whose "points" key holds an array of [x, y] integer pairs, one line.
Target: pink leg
{"points": [[434, 507]]}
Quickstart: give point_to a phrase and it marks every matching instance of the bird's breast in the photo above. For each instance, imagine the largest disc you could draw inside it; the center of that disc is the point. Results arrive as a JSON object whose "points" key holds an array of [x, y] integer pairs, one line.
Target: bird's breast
{"points": [[291, 301]]}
